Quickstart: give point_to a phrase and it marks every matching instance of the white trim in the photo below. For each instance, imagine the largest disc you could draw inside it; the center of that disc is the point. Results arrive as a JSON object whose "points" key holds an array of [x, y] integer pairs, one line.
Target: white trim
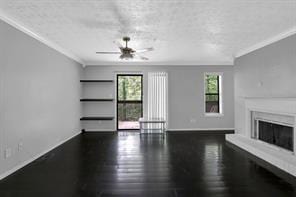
{"points": [[128, 73], [201, 129], [38, 37], [273, 122], [24, 163], [266, 42], [214, 115], [165, 63]]}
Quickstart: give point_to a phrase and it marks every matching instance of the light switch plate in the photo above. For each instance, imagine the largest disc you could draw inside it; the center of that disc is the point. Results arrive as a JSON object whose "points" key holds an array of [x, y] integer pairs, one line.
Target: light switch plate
{"points": [[20, 146], [7, 153]]}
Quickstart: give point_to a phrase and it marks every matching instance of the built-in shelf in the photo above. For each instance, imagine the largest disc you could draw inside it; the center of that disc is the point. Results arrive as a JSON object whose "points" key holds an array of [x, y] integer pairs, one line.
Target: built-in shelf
{"points": [[105, 131], [96, 81], [96, 100], [97, 118], [93, 85]]}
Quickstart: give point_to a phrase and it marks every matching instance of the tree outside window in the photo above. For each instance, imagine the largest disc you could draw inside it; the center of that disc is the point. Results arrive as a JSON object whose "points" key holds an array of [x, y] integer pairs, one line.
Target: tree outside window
{"points": [[212, 97]]}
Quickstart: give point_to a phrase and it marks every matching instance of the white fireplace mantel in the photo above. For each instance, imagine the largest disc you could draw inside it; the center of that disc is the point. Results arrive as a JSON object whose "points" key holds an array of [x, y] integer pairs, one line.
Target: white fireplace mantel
{"points": [[282, 106]]}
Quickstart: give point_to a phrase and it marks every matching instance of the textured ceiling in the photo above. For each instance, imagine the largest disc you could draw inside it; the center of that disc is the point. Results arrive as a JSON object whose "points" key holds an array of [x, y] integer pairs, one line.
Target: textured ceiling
{"points": [[183, 31]]}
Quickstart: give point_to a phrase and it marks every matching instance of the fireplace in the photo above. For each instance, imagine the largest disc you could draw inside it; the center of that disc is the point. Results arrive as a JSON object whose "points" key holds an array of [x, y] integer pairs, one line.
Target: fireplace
{"points": [[276, 134], [274, 129], [265, 127]]}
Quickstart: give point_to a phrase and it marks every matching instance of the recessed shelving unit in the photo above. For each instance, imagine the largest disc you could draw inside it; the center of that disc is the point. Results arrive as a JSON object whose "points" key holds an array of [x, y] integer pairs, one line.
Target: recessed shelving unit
{"points": [[96, 100], [98, 108]]}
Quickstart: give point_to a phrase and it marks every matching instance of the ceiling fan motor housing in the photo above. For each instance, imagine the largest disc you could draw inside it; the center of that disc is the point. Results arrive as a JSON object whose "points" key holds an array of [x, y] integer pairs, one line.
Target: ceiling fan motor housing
{"points": [[127, 50], [126, 56], [126, 38]]}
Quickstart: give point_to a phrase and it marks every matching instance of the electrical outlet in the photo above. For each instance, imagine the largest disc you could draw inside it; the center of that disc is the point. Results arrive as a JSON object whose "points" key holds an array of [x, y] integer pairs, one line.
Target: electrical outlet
{"points": [[192, 120], [7, 153], [20, 146], [260, 84]]}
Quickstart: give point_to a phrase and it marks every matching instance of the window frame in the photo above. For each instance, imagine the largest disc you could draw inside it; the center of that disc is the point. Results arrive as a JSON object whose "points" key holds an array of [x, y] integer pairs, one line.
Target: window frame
{"points": [[220, 92]]}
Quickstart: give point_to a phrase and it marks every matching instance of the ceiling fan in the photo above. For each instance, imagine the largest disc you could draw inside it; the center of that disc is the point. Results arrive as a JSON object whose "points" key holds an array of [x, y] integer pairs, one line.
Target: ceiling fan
{"points": [[127, 53]]}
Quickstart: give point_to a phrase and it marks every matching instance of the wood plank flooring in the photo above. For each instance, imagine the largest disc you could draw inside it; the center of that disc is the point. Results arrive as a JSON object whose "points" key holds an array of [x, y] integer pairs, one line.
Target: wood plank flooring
{"points": [[127, 164]]}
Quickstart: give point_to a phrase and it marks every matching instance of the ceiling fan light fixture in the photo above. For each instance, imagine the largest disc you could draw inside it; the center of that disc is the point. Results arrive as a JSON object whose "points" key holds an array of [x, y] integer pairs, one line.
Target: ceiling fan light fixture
{"points": [[126, 56], [128, 53]]}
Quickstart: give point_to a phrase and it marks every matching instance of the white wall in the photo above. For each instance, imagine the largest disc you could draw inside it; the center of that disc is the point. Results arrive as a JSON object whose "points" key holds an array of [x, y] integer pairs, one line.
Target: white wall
{"points": [[266, 72], [185, 93], [39, 97]]}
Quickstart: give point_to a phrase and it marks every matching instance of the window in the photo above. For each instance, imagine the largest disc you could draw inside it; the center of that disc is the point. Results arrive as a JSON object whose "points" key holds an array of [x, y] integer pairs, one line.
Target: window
{"points": [[213, 93]]}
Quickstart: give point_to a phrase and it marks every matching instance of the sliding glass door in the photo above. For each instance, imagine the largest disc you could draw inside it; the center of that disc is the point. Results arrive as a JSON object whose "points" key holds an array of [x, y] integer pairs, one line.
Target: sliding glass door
{"points": [[129, 101]]}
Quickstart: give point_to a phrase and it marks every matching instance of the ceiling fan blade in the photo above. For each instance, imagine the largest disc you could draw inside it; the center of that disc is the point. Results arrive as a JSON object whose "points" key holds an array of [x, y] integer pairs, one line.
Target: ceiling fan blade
{"points": [[140, 57], [144, 50], [100, 52], [118, 44]]}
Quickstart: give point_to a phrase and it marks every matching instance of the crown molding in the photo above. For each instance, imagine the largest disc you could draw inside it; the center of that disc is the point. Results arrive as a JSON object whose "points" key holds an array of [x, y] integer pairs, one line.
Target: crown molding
{"points": [[266, 42], [38, 37], [165, 63]]}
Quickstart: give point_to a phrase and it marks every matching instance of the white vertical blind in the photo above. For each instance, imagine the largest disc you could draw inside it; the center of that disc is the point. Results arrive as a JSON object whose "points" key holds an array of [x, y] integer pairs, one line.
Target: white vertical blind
{"points": [[157, 95]]}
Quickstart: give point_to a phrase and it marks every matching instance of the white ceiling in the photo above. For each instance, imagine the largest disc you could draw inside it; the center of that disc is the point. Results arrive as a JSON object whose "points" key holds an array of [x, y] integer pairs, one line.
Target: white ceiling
{"points": [[181, 31]]}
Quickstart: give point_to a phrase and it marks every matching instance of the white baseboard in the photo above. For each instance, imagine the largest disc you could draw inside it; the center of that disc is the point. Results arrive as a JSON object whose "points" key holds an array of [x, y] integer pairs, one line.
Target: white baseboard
{"points": [[202, 129], [24, 163]]}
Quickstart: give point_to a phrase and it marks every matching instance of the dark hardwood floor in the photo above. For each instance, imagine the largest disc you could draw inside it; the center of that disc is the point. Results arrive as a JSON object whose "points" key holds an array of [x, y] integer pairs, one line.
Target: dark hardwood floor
{"points": [[125, 164]]}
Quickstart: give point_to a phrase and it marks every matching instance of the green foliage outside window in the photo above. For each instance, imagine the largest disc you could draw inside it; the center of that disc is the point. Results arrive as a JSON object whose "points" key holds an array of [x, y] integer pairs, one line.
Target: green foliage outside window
{"points": [[129, 88], [129, 111], [212, 82], [212, 87]]}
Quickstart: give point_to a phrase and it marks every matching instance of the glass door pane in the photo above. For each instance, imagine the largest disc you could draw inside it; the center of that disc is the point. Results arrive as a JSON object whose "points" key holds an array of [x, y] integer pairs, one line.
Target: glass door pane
{"points": [[129, 101]]}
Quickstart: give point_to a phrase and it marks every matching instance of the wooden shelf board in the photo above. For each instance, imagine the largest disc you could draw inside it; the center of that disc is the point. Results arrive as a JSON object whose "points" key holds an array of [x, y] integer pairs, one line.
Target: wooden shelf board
{"points": [[97, 118], [94, 81], [95, 100]]}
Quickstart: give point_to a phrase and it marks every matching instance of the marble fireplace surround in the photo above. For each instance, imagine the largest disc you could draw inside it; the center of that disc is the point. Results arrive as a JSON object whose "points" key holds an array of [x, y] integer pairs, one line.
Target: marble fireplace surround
{"points": [[283, 107]]}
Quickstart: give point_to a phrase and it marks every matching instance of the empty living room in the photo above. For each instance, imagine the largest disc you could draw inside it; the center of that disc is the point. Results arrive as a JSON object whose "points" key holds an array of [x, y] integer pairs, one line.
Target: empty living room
{"points": [[147, 98]]}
